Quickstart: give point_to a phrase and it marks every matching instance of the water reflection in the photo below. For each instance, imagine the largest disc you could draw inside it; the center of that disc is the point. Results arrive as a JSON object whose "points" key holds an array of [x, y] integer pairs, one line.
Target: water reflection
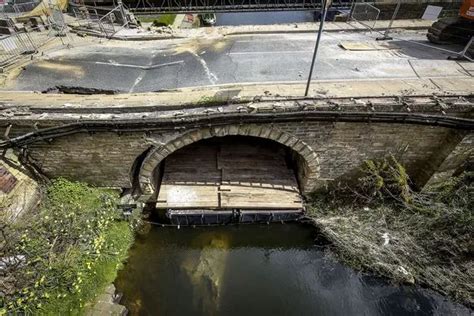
{"points": [[206, 271], [257, 270]]}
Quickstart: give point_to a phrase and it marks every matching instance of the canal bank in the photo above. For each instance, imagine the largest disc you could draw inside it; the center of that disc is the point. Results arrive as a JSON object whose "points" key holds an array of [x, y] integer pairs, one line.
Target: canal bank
{"points": [[57, 259], [381, 225]]}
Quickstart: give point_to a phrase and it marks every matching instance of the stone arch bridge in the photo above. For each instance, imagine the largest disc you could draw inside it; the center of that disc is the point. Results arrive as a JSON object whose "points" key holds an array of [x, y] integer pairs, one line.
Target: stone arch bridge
{"points": [[123, 147]]}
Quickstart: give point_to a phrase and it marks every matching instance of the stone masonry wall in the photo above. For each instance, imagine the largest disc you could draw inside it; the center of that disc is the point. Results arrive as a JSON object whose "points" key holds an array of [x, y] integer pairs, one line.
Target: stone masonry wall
{"points": [[103, 159], [343, 147], [106, 159]]}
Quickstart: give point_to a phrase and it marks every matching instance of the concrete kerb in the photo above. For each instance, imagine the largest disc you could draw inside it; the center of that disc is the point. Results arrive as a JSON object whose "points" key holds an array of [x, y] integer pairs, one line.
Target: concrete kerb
{"points": [[279, 29], [187, 98], [296, 30]]}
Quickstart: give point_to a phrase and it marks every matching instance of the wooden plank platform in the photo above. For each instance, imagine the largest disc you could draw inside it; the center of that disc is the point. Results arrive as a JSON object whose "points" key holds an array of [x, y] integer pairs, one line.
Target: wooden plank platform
{"points": [[222, 175]]}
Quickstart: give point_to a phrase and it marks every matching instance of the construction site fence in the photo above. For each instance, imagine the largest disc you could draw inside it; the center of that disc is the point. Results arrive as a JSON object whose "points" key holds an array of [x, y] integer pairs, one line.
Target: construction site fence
{"points": [[14, 46], [365, 13], [107, 20], [25, 6]]}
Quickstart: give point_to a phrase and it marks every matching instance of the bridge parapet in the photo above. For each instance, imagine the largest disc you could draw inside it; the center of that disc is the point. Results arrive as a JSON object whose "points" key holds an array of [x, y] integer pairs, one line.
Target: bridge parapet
{"points": [[122, 147]]}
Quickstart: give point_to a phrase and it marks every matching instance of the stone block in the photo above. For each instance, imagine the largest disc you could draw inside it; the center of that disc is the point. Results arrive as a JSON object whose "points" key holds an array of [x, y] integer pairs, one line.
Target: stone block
{"points": [[234, 130]]}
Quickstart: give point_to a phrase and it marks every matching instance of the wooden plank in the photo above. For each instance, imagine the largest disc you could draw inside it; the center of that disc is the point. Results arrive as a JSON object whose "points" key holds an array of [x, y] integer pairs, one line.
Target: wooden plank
{"points": [[188, 196], [244, 163], [250, 189], [285, 186], [274, 173], [214, 176], [235, 200], [255, 179], [234, 196], [263, 194], [364, 46]]}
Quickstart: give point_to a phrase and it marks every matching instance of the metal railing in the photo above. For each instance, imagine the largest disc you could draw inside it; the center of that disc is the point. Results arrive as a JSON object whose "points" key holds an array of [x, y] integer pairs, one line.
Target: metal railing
{"points": [[467, 53], [25, 42], [113, 21], [14, 46], [105, 20], [173, 6], [86, 14], [20, 8], [365, 14]]}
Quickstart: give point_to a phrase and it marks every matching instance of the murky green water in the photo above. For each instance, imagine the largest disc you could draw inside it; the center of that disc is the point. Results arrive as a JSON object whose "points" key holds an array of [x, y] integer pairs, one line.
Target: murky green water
{"points": [[257, 270]]}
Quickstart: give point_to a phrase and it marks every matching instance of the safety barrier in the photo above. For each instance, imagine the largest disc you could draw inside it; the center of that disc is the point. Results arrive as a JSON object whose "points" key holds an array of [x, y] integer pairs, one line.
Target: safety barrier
{"points": [[104, 20], [14, 46], [20, 8], [24, 42], [365, 13]]}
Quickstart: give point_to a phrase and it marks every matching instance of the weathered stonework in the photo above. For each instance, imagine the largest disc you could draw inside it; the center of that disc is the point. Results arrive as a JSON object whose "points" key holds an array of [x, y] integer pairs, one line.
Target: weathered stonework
{"points": [[329, 142], [327, 151], [460, 157], [309, 159], [19, 191]]}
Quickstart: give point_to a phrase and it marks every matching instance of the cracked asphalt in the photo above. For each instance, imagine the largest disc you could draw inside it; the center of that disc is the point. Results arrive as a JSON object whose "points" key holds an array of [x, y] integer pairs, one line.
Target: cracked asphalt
{"points": [[160, 65]]}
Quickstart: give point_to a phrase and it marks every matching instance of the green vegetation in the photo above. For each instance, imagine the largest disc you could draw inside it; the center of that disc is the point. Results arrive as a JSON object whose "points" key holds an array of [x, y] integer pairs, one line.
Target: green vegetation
{"points": [[160, 20], [67, 252], [382, 225], [215, 100]]}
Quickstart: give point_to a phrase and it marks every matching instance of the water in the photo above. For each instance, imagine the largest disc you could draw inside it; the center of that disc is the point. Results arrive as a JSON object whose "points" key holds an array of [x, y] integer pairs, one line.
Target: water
{"points": [[257, 270], [264, 18]]}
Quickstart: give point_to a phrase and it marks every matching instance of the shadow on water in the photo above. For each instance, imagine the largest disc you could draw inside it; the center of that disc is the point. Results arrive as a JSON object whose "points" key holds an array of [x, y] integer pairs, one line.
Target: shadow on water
{"points": [[257, 270]]}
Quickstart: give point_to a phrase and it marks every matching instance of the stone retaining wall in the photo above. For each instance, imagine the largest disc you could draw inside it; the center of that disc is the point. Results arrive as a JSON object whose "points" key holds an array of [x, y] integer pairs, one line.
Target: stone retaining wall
{"points": [[329, 151]]}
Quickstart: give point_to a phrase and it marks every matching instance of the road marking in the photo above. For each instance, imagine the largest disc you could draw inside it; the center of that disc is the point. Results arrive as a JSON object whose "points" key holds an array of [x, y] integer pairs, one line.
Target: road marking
{"points": [[273, 52], [311, 40], [212, 77], [137, 81], [138, 66]]}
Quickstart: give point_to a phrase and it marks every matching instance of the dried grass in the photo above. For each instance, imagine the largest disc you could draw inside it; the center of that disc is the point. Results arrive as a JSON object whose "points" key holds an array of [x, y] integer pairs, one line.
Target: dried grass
{"points": [[382, 226]]}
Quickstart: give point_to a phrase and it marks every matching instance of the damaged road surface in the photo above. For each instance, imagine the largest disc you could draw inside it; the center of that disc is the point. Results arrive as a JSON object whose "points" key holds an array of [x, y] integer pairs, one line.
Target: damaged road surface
{"points": [[158, 65]]}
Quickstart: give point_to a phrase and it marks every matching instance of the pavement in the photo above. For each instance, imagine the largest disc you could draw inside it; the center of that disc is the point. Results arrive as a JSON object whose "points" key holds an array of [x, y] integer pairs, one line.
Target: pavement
{"points": [[177, 30], [207, 96], [239, 59]]}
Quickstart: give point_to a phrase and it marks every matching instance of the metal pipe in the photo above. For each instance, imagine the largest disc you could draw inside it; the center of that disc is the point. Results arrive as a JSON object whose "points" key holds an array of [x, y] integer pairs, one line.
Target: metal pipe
{"points": [[324, 11], [327, 116], [463, 54], [387, 31]]}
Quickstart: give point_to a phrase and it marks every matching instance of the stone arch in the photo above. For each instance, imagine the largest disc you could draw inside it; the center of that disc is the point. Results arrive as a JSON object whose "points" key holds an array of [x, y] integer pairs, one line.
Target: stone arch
{"points": [[308, 159]]}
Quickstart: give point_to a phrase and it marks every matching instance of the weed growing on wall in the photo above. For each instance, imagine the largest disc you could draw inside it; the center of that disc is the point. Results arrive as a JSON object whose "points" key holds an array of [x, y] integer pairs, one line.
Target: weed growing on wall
{"points": [[61, 257]]}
